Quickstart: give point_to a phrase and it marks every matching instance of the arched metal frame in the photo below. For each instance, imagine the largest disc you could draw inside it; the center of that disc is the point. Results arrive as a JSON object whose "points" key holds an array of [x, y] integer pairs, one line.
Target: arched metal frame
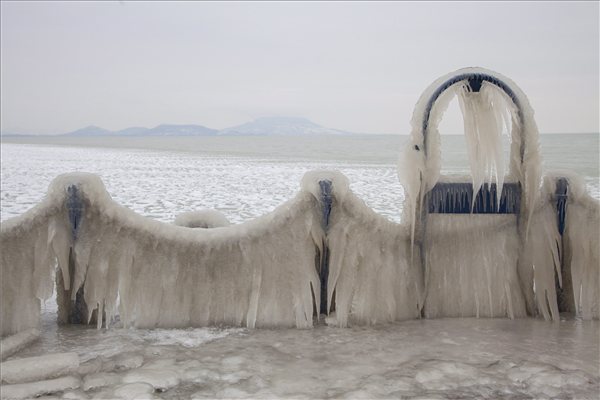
{"points": [[475, 80], [457, 198]]}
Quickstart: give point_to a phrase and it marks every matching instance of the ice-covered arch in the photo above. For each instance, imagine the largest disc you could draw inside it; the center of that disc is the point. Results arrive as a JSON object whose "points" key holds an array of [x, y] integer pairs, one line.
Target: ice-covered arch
{"points": [[489, 101], [487, 248]]}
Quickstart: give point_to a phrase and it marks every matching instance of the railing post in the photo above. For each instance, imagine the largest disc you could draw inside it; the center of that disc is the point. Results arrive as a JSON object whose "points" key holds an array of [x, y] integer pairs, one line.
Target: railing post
{"points": [[76, 312], [326, 203], [564, 294]]}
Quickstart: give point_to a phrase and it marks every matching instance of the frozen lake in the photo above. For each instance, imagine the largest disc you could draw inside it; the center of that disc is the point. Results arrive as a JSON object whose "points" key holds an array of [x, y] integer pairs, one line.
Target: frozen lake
{"points": [[242, 177], [247, 177]]}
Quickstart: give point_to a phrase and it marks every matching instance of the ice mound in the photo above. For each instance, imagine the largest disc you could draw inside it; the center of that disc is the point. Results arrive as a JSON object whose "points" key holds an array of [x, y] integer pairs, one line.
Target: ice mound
{"points": [[187, 337], [202, 219]]}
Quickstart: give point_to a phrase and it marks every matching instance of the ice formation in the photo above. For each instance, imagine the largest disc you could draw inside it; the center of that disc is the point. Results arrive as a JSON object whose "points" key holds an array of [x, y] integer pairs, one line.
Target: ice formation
{"points": [[36, 368], [471, 266], [32, 390], [485, 114], [582, 248], [471, 261], [261, 273], [202, 219], [14, 343], [370, 278]]}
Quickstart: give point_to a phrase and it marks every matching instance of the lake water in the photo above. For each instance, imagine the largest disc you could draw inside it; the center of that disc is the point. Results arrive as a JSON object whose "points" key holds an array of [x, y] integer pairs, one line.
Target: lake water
{"points": [[245, 177]]}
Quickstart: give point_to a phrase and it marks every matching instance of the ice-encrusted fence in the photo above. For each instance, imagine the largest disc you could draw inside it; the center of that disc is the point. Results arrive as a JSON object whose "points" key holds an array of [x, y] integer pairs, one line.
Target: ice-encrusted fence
{"points": [[267, 272], [507, 249]]}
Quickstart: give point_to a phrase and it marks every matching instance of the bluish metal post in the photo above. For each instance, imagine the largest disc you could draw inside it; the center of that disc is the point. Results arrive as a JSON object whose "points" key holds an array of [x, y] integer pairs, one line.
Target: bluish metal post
{"points": [[78, 310], [74, 209], [562, 189], [566, 299], [326, 203]]}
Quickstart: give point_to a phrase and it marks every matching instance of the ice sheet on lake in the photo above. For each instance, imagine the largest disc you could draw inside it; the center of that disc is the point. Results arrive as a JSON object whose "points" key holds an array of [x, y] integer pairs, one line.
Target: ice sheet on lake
{"points": [[447, 358]]}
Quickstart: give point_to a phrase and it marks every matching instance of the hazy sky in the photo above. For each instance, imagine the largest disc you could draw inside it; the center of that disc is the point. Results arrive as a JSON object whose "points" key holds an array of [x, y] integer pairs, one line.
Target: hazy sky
{"points": [[354, 66]]}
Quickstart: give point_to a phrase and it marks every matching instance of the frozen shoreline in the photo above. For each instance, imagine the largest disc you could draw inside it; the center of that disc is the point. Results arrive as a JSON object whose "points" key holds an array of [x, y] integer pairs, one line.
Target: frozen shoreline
{"points": [[443, 358]]}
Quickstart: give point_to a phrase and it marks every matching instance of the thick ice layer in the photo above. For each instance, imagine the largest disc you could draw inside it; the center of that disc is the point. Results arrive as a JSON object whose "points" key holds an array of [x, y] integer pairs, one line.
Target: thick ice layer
{"points": [[371, 279], [202, 219], [485, 116], [35, 389], [261, 273], [471, 266], [265, 272], [540, 260], [27, 264], [256, 274], [36, 368], [582, 242], [14, 343], [485, 113], [442, 358]]}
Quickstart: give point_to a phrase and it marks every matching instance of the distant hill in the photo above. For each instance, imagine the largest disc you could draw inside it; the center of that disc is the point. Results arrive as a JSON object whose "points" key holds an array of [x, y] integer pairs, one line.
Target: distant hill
{"points": [[180, 130], [160, 130], [133, 131], [281, 126], [90, 131], [267, 126]]}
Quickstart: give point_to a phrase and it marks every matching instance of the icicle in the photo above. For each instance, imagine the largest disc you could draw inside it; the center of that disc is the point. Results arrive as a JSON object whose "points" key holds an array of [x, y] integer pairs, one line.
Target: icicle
{"points": [[484, 118]]}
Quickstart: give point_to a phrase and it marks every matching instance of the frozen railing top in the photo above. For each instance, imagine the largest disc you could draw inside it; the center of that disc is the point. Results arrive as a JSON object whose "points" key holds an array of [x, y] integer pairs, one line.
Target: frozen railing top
{"points": [[475, 78], [491, 104], [154, 274]]}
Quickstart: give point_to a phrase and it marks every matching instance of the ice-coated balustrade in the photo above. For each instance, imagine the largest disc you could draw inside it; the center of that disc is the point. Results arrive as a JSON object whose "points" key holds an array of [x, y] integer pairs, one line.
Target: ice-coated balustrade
{"points": [[495, 225], [467, 246], [266, 272]]}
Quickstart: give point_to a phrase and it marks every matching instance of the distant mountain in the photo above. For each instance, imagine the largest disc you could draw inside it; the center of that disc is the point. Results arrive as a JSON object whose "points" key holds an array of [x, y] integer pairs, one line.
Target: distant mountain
{"points": [[180, 130], [133, 131], [267, 126], [281, 126], [90, 131], [160, 130]]}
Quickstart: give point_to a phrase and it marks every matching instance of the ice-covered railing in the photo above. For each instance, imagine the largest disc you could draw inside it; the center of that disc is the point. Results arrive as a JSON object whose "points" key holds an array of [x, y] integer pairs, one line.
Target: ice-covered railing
{"points": [[322, 252], [262, 273], [469, 229], [257, 274], [578, 224], [369, 275], [490, 245]]}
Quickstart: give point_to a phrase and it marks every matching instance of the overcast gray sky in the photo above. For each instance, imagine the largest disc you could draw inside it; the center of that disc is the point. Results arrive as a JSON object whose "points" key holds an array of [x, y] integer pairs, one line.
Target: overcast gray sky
{"points": [[354, 66]]}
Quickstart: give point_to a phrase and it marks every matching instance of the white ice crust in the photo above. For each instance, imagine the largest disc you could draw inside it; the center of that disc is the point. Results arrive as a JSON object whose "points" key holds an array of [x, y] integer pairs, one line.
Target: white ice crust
{"points": [[202, 219]]}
